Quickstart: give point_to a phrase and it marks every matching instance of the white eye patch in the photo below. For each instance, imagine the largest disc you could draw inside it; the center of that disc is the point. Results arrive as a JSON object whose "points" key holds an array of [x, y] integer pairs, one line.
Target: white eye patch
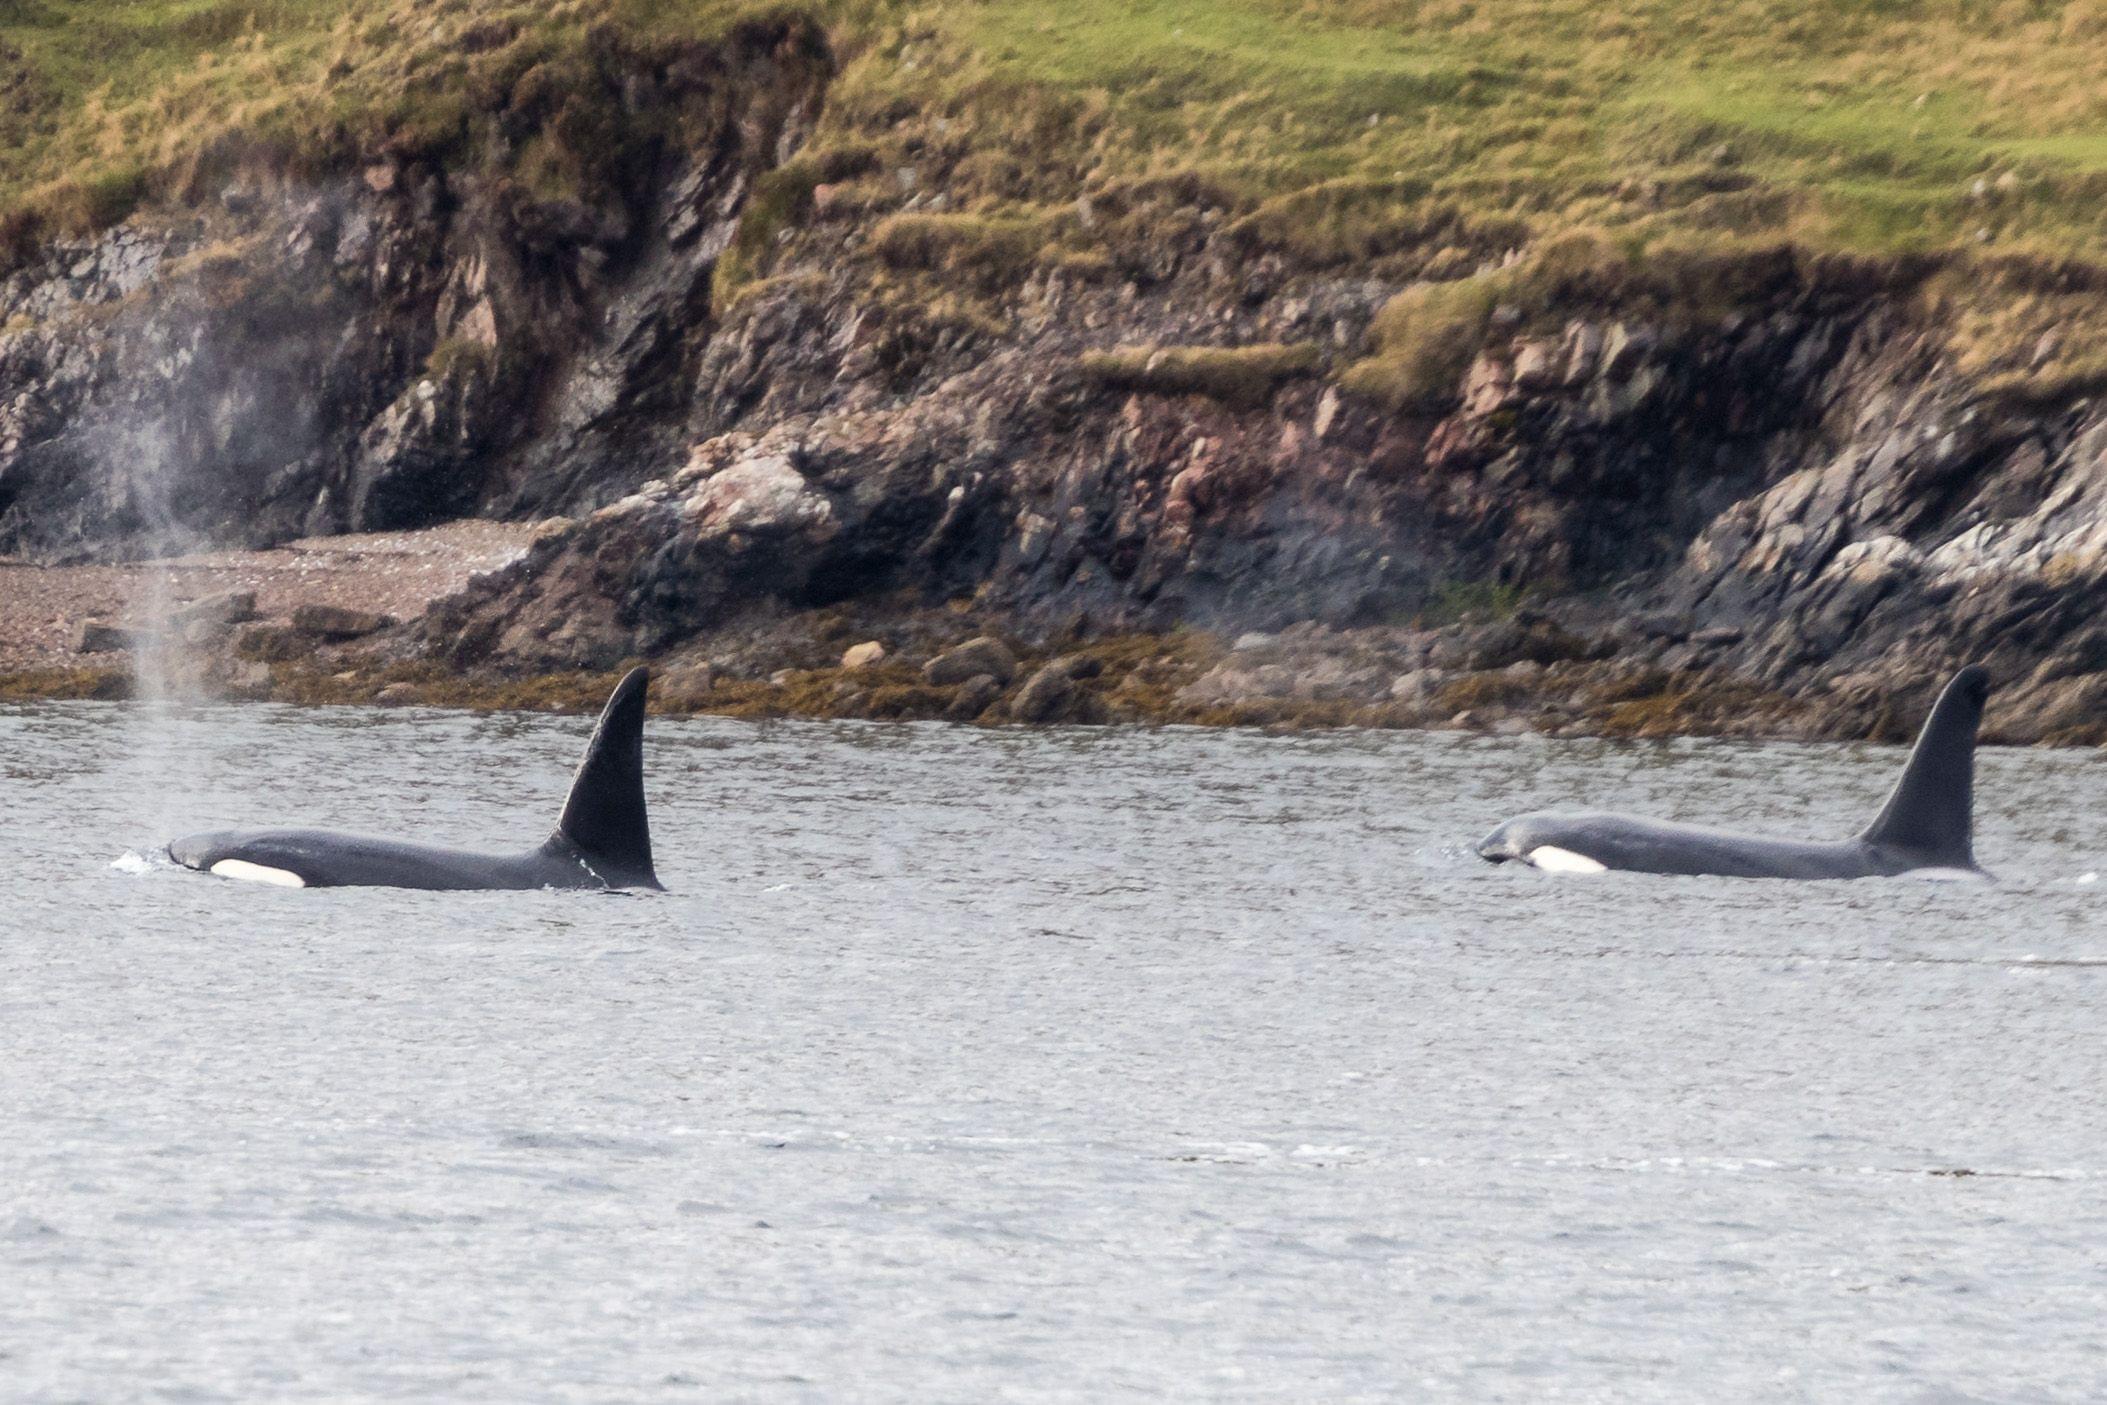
{"points": [[1552, 859], [257, 873]]}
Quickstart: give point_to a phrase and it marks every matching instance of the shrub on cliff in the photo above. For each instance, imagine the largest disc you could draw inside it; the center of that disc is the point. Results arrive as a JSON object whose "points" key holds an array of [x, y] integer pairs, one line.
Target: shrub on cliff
{"points": [[982, 245], [1425, 337], [1236, 375]]}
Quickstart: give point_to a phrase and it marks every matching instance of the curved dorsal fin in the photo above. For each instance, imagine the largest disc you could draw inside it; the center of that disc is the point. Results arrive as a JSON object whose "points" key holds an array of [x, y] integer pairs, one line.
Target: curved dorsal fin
{"points": [[604, 814], [1931, 813]]}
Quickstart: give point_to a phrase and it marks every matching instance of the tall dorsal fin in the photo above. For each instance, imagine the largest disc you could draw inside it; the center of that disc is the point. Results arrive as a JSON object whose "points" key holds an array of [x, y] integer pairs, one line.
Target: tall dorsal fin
{"points": [[604, 815], [1931, 815]]}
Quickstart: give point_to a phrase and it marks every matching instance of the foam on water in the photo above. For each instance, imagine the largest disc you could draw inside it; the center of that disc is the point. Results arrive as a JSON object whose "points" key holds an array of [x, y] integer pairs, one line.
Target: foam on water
{"points": [[969, 1064]]}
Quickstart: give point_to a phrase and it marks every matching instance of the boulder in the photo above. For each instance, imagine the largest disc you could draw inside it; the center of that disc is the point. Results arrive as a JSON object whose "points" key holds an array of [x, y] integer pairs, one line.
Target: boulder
{"points": [[970, 659], [1418, 686], [975, 696], [1623, 349], [337, 622], [242, 678], [215, 611], [271, 643], [863, 655], [1536, 365], [759, 493], [1581, 348], [1326, 678], [101, 637], [685, 687], [1046, 695], [1229, 682]]}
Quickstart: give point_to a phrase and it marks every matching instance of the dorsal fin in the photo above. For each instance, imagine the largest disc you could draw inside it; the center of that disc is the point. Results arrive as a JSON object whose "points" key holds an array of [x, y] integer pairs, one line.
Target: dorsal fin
{"points": [[1931, 815], [604, 815]]}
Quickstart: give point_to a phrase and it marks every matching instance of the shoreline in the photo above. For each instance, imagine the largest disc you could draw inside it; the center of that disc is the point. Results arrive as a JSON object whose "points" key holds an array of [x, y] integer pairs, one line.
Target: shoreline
{"points": [[1133, 681], [391, 574], [368, 620]]}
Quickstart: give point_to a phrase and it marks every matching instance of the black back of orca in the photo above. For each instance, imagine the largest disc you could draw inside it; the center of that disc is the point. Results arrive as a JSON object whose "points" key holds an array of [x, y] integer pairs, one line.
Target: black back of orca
{"points": [[1927, 823], [602, 840]]}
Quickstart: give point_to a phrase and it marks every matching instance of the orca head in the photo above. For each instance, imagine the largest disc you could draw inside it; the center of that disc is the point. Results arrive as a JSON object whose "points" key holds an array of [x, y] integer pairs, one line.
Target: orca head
{"points": [[1543, 842], [1501, 845]]}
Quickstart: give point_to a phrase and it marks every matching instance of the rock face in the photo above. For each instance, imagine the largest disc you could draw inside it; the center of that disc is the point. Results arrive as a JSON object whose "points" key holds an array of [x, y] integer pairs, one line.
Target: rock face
{"points": [[1798, 494], [1809, 503], [391, 348]]}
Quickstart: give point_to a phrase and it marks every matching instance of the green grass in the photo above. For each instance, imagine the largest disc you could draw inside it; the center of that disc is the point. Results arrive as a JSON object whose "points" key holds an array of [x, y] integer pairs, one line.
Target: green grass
{"points": [[1414, 138], [1868, 121]]}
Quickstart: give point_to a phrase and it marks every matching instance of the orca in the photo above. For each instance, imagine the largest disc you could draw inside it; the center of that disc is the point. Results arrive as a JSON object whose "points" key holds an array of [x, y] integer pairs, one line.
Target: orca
{"points": [[1926, 827], [603, 839]]}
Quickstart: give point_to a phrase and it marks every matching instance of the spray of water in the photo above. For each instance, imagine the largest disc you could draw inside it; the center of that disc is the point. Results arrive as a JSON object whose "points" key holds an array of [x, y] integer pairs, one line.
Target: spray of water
{"points": [[169, 771]]}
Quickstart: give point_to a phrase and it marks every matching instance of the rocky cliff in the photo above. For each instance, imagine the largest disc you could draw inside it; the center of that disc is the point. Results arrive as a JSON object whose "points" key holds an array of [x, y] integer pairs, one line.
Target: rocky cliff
{"points": [[1766, 494], [404, 341]]}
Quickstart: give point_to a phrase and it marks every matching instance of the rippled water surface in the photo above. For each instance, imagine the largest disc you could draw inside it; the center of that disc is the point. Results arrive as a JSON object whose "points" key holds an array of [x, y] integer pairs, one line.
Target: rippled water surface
{"points": [[971, 1065]]}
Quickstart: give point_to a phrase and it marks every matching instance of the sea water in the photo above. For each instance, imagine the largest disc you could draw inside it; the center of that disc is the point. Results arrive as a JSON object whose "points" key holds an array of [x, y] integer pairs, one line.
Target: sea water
{"points": [[971, 1065]]}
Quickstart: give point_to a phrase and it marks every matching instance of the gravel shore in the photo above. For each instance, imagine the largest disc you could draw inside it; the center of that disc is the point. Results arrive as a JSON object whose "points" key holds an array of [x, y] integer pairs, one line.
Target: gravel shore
{"points": [[391, 573]]}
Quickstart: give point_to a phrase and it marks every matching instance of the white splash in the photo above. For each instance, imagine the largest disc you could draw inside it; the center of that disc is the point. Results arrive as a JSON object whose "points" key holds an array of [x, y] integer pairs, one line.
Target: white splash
{"points": [[1948, 875]]}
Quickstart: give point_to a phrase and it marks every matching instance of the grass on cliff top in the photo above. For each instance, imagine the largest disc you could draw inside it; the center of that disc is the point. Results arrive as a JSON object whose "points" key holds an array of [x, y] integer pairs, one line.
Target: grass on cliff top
{"points": [[107, 103], [1434, 134], [1863, 122], [1338, 131]]}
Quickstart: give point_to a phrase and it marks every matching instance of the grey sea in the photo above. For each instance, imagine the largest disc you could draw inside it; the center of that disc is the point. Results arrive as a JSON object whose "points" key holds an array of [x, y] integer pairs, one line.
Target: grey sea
{"points": [[969, 1065]]}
